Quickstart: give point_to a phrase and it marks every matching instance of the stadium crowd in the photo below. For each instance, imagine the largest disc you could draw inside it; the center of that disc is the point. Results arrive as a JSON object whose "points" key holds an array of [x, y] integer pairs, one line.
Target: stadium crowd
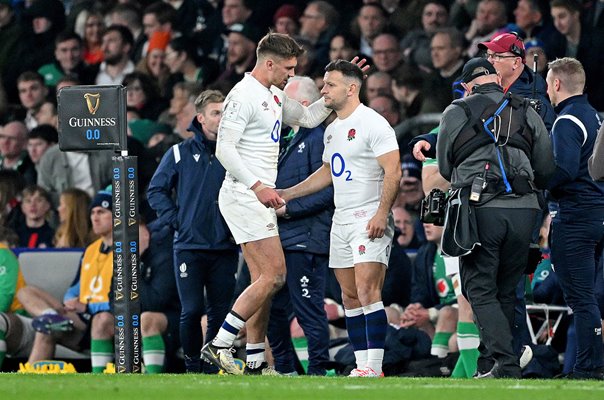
{"points": [[179, 59]]}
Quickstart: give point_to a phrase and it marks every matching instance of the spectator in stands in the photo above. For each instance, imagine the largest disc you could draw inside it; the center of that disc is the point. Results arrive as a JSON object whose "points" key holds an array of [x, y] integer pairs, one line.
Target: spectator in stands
{"points": [[68, 61], [387, 106], [10, 34], [304, 226], [286, 20], [32, 93], [411, 193], [34, 231], [129, 16], [13, 151], [370, 22], [447, 59], [117, 45], [416, 44], [186, 65], [47, 115], [241, 53], [16, 332], [594, 23], [143, 95], [536, 46], [89, 171], [386, 52], [404, 225], [39, 140], [158, 17], [533, 19], [11, 185], [153, 63], [236, 12], [201, 259], [90, 26], [74, 225], [342, 47], [491, 16], [377, 84], [407, 90], [566, 15], [66, 81], [318, 25], [86, 304]]}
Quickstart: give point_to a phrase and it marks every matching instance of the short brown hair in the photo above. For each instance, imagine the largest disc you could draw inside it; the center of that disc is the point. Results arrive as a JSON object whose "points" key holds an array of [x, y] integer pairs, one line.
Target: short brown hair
{"points": [[279, 45], [570, 5], [569, 71], [207, 97]]}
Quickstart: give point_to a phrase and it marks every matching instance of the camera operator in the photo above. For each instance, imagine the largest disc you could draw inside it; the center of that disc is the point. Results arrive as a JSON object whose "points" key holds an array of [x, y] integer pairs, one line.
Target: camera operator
{"points": [[494, 167]]}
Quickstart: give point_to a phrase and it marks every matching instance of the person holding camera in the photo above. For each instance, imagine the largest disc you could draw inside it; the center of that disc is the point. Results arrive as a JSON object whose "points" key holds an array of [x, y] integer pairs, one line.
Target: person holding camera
{"points": [[495, 151]]}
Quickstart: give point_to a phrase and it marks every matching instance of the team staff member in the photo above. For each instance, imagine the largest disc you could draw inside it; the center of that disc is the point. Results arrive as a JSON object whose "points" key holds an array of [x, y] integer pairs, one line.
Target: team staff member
{"points": [[577, 234], [248, 147], [361, 160], [491, 272], [204, 253]]}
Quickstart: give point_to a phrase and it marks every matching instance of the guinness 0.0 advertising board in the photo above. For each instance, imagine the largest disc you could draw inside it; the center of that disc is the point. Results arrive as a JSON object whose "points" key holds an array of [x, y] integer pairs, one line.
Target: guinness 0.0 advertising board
{"points": [[90, 117], [126, 304]]}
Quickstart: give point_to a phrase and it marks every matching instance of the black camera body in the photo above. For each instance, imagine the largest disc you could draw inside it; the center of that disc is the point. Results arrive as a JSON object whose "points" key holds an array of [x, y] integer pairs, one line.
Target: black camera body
{"points": [[433, 207]]}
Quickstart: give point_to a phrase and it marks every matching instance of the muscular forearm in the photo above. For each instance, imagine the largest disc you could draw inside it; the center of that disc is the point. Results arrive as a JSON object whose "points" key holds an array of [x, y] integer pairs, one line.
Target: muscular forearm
{"points": [[319, 180], [295, 113], [390, 191]]}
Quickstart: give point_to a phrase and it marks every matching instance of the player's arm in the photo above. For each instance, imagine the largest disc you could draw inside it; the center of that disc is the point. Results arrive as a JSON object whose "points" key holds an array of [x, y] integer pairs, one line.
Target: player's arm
{"points": [[391, 164], [295, 113], [8, 279], [320, 179]]}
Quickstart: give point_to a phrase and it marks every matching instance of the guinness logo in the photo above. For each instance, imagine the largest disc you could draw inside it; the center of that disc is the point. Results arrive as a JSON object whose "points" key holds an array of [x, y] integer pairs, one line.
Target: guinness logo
{"points": [[133, 295], [116, 221], [93, 101], [119, 295], [121, 369], [131, 221]]}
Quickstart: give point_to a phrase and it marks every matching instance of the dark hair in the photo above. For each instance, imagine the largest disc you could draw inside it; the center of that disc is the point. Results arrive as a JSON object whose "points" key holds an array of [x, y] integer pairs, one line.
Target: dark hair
{"points": [[571, 5], [68, 78], [162, 11], [147, 85], [347, 69], [67, 35], [9, 236], [189, 47], [45, 132], [279, 45], [33, 189], [124, 32], [350, 41], [28, 76], [408, 77]]}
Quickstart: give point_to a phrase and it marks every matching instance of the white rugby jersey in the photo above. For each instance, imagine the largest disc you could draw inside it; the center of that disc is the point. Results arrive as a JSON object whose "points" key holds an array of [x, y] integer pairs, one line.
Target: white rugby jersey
{"points": [[251, 120], [352, 146]]}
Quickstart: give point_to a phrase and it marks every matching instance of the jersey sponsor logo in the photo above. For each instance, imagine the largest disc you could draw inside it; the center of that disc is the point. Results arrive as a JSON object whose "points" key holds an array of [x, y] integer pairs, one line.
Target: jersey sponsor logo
{"points": [[196, 157], [231, 111], [362, 249], [301, 147], [352, 134], [277, 100]]}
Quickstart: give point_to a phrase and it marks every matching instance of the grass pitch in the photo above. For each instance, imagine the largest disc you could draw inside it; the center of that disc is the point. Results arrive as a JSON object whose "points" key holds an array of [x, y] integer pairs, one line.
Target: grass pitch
{"points": [[167, 387]]}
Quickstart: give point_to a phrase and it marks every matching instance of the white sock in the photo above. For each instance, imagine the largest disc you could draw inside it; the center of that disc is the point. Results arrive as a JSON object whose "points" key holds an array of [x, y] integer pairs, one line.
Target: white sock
{"points": [[228, 331], [255, 355], [361, 358], [375, 358], [49, 311]]}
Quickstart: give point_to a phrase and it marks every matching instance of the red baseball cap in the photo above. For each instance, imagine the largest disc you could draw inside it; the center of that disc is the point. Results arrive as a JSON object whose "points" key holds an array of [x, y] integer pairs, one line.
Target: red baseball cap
{"points": [[503, 43]]}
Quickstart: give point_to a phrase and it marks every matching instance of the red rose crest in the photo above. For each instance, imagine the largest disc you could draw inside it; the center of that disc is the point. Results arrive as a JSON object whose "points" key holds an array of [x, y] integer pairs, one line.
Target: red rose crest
{"points": [[362, 249], [351, 134], [277, 100]]}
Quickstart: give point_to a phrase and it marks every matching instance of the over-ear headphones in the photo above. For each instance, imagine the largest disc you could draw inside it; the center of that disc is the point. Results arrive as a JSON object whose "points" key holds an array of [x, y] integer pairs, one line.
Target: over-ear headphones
{"points": [[514, 48]]}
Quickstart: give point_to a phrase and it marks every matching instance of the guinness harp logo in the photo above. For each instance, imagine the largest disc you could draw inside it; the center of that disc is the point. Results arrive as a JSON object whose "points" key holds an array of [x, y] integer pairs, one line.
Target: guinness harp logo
{"points": [[93, 101]]}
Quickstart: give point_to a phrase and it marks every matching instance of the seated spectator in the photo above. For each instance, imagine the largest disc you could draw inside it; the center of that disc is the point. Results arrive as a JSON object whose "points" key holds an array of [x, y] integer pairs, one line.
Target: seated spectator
{"points": [[32, 94], [90, 25], [68, 61], [34, 231], [153, 64], [386, 53], [187, 65], [533, 19], [491, 16], [13, 151], [318, 23], [342, 46], [47, 114], [143, 95], [286, 19], [407, 89], [117, 45], [16, 332], [566, 15], [536, 47], [404, 229], [370, 22], [74, 225], [39, 140], [242, 40], [378, 83], [387, 106]]}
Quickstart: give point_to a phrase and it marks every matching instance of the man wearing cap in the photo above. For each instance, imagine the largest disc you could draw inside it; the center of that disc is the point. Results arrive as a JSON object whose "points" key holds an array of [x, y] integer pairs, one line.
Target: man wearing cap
{"points": [[507, 54], [495, 171], [242, 39]]}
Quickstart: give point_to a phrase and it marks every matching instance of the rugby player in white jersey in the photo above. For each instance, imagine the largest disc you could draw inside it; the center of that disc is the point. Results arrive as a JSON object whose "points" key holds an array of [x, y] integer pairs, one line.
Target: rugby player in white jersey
{"points": [[361, 159], [248, 148]]}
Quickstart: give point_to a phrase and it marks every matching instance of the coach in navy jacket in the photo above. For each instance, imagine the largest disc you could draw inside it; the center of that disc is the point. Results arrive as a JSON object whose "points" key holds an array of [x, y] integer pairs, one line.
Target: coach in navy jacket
{"points": [[577, 234], [204, 253]]}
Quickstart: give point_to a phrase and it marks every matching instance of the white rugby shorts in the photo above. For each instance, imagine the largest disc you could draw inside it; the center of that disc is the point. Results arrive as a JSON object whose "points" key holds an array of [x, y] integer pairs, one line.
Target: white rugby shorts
{"points": [[350, 245], [247, 218]]}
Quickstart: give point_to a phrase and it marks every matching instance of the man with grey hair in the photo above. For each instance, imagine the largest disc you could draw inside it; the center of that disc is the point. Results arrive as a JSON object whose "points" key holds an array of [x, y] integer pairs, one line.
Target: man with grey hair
{"points": [[318, 25], [304, 226], [13, 151]]}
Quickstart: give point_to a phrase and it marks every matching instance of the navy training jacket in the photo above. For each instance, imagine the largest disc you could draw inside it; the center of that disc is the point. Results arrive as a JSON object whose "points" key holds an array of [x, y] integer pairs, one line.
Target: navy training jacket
{"points": [[192, 169]]}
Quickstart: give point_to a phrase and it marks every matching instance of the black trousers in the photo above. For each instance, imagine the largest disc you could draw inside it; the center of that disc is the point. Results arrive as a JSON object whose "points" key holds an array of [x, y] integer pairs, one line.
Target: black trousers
{"points": [[490, 275]]}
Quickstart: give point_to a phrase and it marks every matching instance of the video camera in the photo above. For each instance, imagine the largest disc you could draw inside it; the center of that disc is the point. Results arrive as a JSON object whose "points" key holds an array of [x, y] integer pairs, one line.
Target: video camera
{"points": [[433, 206]]}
